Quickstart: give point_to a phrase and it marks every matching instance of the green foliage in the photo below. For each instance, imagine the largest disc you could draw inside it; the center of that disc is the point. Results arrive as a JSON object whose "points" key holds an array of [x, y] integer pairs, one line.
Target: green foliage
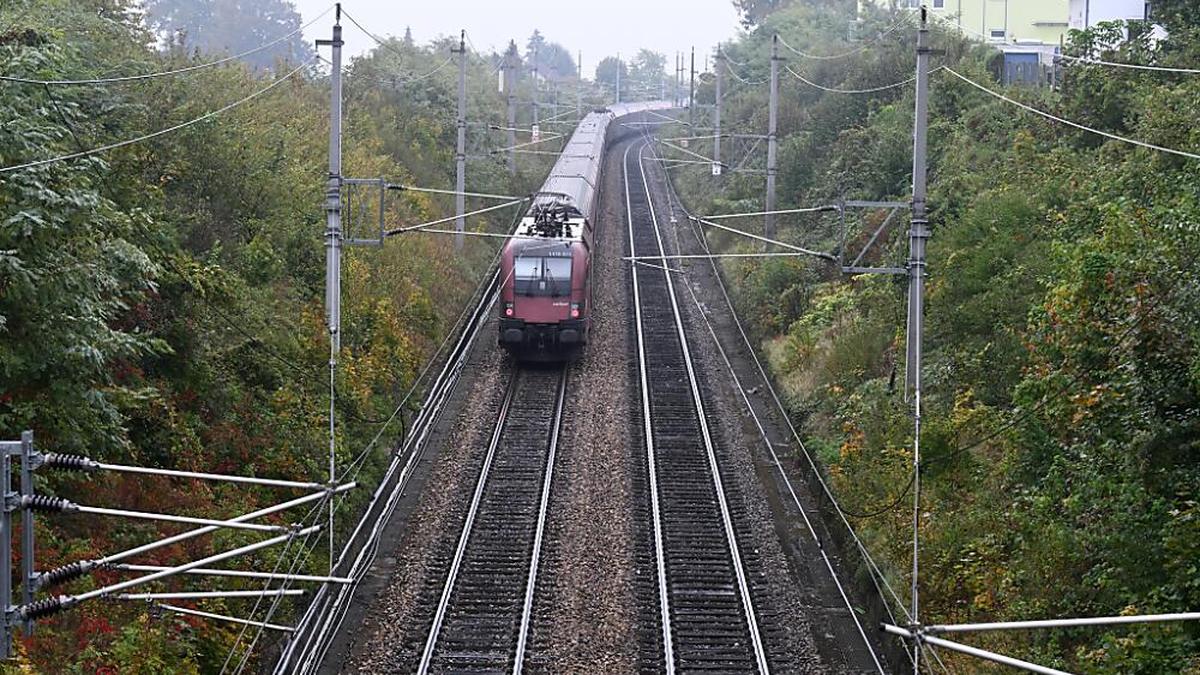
{"points": [[553, 59], [232, 26], [1061, 404], [607, 69], [162, 304]]}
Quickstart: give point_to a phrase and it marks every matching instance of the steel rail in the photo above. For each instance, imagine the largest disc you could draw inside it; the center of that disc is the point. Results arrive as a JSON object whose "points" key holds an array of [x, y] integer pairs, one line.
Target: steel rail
{"points": [[543, 507], [309, 644], [427, 418], [465, 536], [727, 520], [477, 538], [644, 389], [762, 432]]}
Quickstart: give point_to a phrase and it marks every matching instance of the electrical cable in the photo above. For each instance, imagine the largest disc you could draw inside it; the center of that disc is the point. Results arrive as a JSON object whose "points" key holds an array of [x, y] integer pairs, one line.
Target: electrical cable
{"points": [[399, 81], [872, 566], [161, 132], [386, 44], [863, 47], [166, 73], [741, 79], [1081, 127], [871, 90], [1081, 59], [699, 235], [1134, 66]]}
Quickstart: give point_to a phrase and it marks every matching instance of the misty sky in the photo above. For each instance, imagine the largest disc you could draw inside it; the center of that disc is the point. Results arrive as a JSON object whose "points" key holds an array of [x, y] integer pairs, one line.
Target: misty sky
{"points": [[599, 29]]}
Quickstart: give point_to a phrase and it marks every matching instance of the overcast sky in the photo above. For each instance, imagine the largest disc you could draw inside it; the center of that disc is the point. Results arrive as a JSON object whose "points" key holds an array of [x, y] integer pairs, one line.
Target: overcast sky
{"points": [[597, 28]]}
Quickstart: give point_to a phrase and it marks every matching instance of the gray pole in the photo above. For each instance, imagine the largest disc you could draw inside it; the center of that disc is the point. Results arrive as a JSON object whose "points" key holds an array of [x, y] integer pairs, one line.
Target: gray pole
{"points": [[28, 575], [675, 83], [536, 85], [918, 235], [772, 138], [333, 246], [6, 552], [579, 87], [509, 84], [717, 112], [679, 80], [618, 77], [460, 156], [692, 91]]}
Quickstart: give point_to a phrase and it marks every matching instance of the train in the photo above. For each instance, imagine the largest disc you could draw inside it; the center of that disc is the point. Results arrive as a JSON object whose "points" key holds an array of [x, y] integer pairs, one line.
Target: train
{"points": [[546, 294]]}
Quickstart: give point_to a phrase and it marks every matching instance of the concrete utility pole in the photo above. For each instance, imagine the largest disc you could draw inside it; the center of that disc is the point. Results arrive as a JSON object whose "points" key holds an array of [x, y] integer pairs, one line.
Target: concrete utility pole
{"points": [[536, 86], [917, 236], [692, 91], [720, 62], [510, 66], [579, 87], [772, 138], [618, 77], [460, 152], [333, 243], [679, 79]]}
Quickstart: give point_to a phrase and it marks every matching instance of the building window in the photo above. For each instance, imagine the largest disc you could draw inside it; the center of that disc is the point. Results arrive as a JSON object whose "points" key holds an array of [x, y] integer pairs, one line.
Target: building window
{"points": [[939, 4], [997, 34]]}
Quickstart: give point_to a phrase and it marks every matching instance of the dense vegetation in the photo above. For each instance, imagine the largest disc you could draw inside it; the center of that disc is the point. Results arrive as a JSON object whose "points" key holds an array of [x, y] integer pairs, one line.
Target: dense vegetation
{"points": [[1062, 373], [162, 304]]}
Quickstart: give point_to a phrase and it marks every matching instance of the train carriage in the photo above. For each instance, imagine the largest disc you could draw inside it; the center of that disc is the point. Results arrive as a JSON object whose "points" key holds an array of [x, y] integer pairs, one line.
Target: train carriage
{"points": [[545, 294]]}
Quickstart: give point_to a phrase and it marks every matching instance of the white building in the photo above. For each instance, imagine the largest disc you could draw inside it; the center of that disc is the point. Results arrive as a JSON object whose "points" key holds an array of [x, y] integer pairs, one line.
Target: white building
{"points": [[1088, 13]]}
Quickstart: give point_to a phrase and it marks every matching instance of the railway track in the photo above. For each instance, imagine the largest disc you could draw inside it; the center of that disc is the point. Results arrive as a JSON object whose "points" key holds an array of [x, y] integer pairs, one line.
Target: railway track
{"points": [[316, 629], [483, 615], [706, 611]]}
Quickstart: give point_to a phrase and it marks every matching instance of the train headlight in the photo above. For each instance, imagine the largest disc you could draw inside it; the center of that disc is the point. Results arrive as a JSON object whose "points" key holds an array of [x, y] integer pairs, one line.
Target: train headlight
{"points": [[508, 309], [576, 310]]}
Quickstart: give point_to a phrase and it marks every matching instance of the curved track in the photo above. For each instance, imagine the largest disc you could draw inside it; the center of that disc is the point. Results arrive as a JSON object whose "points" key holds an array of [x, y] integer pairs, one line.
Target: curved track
{"points": [[482, 620], [707, 614]]}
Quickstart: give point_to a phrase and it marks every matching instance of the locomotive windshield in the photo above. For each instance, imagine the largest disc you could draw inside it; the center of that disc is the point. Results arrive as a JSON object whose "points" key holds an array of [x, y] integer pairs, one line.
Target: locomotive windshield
{"points": [[538, 275]]}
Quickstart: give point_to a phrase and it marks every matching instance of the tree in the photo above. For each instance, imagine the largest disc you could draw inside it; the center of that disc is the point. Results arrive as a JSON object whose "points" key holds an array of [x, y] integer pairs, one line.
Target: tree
{"points": [[1176, 15], [606, 71], [648, 65], [217, 26], [536, 43], [754, 11], [553, 60]]}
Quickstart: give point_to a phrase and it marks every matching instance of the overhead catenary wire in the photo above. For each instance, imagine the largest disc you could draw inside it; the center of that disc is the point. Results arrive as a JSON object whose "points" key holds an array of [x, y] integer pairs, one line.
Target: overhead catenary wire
{"points": [[166, 73], [876, 574], [1060, 120], [414, 228], [353, 468], [156, 134]]}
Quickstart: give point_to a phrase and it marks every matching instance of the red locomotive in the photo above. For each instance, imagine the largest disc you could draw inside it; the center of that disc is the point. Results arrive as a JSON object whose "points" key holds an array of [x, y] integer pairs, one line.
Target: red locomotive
{"points": [[545, 292]]}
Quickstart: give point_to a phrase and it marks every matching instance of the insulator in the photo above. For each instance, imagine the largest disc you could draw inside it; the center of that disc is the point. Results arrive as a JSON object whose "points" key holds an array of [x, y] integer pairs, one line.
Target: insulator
{"points": [[46, 503], [56, 460], [41, 608], [65, 573]]}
